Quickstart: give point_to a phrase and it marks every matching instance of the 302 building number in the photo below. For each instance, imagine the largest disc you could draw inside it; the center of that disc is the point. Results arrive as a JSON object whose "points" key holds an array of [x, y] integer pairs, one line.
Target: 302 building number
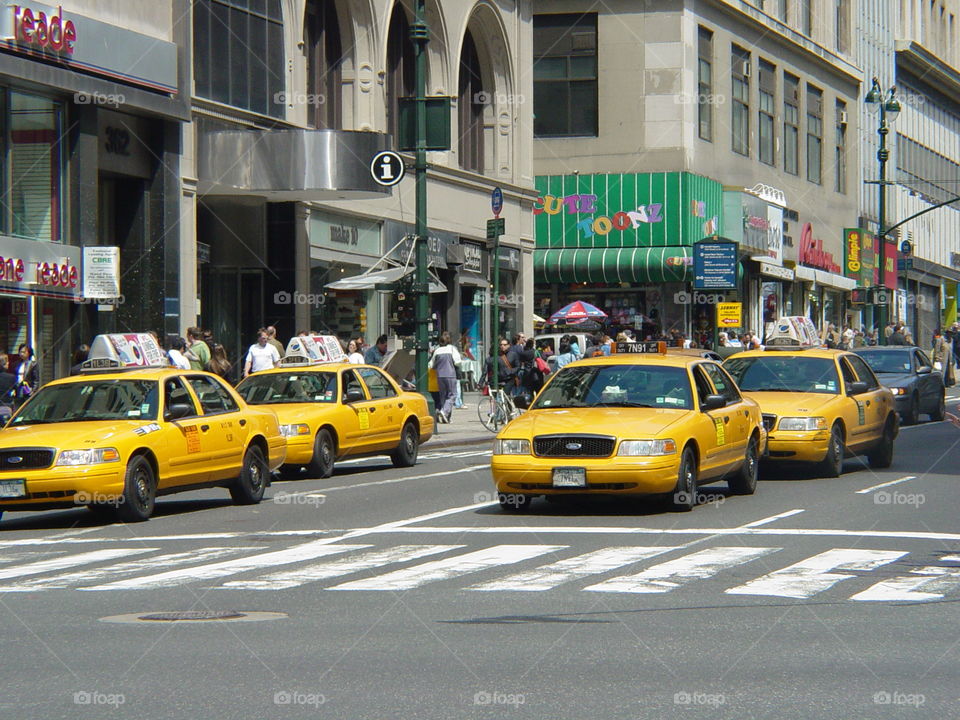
{"points": [[118, 141]]}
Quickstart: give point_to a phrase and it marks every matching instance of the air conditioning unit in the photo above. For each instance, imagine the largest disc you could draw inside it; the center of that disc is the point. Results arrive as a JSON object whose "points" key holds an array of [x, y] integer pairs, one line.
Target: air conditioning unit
{"points": [[842, 117], [745, 68]]}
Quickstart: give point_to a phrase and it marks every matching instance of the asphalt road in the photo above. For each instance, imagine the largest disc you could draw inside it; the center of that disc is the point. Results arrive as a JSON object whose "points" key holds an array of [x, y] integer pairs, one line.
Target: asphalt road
{"points": [[409, 594]]}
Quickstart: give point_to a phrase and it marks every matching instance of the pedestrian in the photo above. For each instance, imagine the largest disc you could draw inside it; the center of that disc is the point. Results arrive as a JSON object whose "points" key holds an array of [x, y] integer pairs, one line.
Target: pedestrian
{"points": [[565, 355], [175, 353], [261, 355], [519, 341], [353, 354], [199, 351], [897, 337], [8, 382], [219, 363], [375, 353], [272, 339], [574, 346], [445, 361], [532, 379], [859, 339], [506, 366], [940, 356], [79, 357]]}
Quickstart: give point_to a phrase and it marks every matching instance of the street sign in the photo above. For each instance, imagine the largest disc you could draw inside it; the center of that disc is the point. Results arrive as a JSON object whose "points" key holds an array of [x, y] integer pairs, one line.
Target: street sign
{"points": [[387, 168], [715, 265], [496, 228], [904, 264], [496, 201], [906, 247], [730, 314]]}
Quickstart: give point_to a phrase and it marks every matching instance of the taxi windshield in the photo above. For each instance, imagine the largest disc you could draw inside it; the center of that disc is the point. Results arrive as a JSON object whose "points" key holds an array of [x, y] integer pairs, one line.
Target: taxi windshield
{"points": [[92, 399], [782, 373], [293, 387], [888, 361], [641, 386]]}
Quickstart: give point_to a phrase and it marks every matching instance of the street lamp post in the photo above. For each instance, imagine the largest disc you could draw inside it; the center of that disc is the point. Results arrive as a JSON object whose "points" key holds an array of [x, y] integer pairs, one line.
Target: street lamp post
{"points": [[889, 109]]}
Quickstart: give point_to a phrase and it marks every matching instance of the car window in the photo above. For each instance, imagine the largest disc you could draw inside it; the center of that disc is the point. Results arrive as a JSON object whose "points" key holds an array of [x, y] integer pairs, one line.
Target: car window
{"points": [[175, 393], [722, 382], [778, 372], [863, 371], [214, 398], [893, 362], [703, 385], [922, 359], [618, 386], [377, 384], [295, 386], [93, 399], [848, 375], [350, 382]]}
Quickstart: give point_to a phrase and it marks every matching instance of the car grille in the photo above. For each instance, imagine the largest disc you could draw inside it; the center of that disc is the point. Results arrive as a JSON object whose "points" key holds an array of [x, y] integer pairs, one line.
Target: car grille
{"points": [[29, 459], [597, 446], [769, 422]]}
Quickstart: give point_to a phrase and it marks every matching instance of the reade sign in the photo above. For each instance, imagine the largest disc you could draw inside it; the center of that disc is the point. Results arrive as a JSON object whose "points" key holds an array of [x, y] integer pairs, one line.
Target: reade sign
{"points": [[45, 32]]}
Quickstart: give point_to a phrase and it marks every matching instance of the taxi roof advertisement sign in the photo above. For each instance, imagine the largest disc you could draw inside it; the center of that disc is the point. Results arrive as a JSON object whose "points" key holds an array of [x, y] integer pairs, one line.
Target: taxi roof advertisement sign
{"points": [[128, 350], [715, 265], [318, 348]]}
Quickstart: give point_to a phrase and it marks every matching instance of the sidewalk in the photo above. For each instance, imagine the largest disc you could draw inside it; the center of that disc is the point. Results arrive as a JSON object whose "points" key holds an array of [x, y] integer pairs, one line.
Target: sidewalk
{"points": [[464, 428]]}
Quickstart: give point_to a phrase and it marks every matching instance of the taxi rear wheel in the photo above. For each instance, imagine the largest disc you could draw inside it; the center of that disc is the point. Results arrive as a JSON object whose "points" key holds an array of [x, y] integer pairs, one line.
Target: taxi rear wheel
{"points": [[832, 465], [324, 455], [882, 454], [248, 488], [685, 496], [139, 491], [406, 453], [744, 482]]}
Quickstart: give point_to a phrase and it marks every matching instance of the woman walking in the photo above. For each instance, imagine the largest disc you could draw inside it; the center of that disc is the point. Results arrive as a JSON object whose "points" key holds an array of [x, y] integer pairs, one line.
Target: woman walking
{"points": [[445, 360]]}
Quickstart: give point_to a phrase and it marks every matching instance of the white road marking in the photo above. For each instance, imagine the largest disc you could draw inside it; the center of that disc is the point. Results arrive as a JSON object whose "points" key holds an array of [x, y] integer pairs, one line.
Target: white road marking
{"points": [[772, 518], [448, 568], [809, 577], [336, 568], [70, 561], [886, 484], [593, 563], [923, 425], [926, 583], [133, 566], [171, 578], [671, 574]]}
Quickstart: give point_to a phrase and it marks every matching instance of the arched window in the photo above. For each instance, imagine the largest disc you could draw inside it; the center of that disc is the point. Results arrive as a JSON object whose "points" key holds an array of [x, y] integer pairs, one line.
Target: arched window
{"points": [[324, 59], [238, 55], [471, 102], [400, 68]]}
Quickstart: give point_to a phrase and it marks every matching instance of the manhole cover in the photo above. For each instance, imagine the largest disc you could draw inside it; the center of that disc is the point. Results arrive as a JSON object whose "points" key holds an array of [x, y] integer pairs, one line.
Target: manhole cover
{"points": [[195, 616]]}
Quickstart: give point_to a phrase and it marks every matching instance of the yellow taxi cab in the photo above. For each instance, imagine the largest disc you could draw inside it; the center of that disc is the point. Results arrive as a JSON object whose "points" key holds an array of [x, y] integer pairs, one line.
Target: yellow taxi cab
{"points": [[819, 405], [330, 409], [639, 421], [130, 428]]}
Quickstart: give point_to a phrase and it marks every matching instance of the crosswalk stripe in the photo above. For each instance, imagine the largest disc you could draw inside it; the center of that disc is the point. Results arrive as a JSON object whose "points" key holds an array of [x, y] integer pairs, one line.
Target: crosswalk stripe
{"points": [[448, 568], [671, 574], [59, 563], [593, 563], [100, 574], [339, 567], [297, 553], [809, 577], [926, 583]]}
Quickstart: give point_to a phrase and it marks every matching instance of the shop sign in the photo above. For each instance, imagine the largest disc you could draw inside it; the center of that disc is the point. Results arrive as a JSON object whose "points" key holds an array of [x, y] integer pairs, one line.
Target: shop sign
{"points": [[437, 242], [860, 259], [813, 255], [730, 315], [36, 28], [101, 272], [51, 275], [472, 258], [777, 271], [345, 233]]}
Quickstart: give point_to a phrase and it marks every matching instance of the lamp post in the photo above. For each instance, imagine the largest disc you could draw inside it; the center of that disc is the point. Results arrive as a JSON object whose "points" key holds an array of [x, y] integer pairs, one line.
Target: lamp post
{"points": [[889, 109]]}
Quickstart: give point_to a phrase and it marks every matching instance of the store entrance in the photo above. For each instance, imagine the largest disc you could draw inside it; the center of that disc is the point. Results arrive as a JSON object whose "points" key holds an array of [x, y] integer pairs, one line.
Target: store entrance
{"points": [[232, 306]]}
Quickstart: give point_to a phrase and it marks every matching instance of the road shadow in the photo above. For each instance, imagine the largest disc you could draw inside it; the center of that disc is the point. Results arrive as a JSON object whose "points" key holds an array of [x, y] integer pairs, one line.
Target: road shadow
{"points": [[80, 518]]}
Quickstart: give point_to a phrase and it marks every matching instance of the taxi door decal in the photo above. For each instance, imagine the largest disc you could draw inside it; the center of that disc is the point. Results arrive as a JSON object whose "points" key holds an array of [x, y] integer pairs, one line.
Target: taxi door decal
{"points": [[193, 438], [861, 416], [228, 428], [721, 431], [363, 415]]}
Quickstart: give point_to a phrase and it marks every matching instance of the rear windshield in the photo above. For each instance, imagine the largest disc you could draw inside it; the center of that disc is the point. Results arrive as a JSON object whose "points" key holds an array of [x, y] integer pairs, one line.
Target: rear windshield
{"points": [[888, 361]]}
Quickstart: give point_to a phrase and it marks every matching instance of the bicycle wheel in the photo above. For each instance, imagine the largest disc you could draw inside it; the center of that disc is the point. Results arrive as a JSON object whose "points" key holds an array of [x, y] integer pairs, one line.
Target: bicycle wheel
{"points": [[487, 410]]}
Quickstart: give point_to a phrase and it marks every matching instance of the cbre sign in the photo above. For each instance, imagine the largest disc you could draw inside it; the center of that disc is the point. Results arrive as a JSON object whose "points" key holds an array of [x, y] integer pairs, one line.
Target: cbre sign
{"points": [[45, 32]]}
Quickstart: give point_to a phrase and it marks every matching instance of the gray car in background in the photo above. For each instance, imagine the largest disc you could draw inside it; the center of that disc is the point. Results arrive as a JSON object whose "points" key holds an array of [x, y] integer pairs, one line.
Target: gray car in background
{"points": [[917, 388]]}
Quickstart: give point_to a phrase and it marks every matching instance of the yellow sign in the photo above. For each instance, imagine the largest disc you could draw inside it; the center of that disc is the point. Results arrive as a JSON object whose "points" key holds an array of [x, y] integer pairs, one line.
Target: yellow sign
{"points": [[721, 431], [193, 438], [730, 315], [364, 416]]}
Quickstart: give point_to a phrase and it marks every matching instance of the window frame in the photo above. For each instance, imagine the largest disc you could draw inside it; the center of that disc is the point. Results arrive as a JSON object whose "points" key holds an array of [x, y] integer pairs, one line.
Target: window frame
{"points": [[705, 87], [580, 24], [767, 147], [323, 51], [791, 124], [814, 127], [365, 372], [222, 392], [840, 151], [178, 380], [740, 100]]}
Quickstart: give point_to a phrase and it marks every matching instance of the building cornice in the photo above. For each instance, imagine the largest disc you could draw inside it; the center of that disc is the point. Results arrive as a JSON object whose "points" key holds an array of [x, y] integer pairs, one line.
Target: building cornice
{"points": [[928, 68]]}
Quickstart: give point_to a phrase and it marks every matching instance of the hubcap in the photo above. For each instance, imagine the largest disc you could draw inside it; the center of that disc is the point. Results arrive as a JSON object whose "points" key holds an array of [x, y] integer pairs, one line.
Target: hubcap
{"points": [[142, 489], [256, 476]]}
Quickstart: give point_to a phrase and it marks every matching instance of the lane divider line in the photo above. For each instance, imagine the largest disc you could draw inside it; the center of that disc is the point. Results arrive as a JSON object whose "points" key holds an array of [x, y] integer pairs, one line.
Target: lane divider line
{"points": [[886, 484]]}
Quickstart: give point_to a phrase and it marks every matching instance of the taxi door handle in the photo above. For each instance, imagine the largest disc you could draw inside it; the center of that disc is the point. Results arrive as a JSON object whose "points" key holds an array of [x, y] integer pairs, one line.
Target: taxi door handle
{"points": [[373, 409], [868, 403], [726, 418], [204, 428], [400, 405], [242, 423], [746, 413]]}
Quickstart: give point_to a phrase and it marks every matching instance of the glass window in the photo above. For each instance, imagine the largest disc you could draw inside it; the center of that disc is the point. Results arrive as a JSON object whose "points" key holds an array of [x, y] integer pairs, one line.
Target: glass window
{"points": [[293, 387], [805, 10], [740, 107], [703, 385], [565, 75], [324, 61], [923, 360], [814, 134], [848, 375], [175, 393], [722, 382], [238, 54], [214, 397], [400, 68], [705, 85], [471, 103], [91, 400], [377, 384], [618, 386], [840, 150], [842, 26], [863, 371], [768, 84], [34, 195], [351, 382], [781, 373], [884, 362], [791, 124]]}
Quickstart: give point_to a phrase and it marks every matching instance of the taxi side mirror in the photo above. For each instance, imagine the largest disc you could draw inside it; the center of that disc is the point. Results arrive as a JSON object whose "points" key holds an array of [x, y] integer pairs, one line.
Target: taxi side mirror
{"points": [[856, 388], [353, 395], [177, 411], [713, 402], [924, 370]]}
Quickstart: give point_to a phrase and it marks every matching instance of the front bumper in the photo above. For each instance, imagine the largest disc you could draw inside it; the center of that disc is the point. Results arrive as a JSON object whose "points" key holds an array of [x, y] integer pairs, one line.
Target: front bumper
{"points": [[299, 450], [607, 476], [60, 487], [798, 446]]}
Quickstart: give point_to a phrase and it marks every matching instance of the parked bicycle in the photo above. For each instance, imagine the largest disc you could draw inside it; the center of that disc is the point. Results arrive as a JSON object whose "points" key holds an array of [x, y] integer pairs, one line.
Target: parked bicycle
{"points": [[496, 409]]}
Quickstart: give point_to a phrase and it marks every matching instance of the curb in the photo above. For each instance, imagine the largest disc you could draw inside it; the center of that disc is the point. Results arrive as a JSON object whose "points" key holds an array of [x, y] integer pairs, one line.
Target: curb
{"points": [[440, 439]]}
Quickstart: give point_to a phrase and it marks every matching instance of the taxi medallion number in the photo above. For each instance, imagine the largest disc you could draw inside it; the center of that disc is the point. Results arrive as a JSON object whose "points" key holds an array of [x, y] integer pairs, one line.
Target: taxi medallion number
{"points": [[13, 488], [569, 477]]}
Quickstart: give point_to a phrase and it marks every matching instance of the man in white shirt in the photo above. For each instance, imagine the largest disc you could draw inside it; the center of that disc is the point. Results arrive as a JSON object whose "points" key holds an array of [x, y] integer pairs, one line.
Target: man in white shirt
{"points": [[261, 355]]}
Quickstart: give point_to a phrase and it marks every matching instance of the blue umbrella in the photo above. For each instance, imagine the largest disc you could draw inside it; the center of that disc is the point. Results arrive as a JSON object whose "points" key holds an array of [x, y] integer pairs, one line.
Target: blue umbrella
{"points": [[576, 311]]}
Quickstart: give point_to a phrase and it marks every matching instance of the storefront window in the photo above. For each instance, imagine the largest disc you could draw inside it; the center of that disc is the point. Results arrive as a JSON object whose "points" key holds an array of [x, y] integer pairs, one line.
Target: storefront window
{"points": [[344, 313], [33, 196]]}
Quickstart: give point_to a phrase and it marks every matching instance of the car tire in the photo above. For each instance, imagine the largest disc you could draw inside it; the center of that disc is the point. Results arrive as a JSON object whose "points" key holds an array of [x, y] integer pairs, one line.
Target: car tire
{"points": [[941, 410], [912, 416], [685, 495], [406, 453], [744, 482], [139, 491], [832, 465], [881, 456], [513, 502], [324, 455], [249, 486]]}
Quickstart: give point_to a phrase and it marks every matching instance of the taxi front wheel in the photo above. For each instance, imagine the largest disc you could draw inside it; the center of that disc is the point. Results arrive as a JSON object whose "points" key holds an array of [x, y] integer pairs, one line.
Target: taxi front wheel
{"points": [[685, 496], [248, 488], [324, 454], [139, 491], [744, 482], [832, 465]]}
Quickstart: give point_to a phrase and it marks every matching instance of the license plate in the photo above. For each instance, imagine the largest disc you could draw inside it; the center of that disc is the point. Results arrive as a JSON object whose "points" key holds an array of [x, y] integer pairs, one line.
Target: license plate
{"points": [[13, 488], [569, 477]]}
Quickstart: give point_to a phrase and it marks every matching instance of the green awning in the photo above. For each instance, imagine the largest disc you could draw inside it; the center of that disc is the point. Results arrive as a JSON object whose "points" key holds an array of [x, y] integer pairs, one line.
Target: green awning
{"points": [[612, 265]]}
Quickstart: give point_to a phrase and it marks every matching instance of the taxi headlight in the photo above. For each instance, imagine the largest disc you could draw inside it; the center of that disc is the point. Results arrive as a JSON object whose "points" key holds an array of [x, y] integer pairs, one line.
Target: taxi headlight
{"points": [[898, 390], [88, 457], [647, 448], [511, 447], [802, 424], [294, 430]]}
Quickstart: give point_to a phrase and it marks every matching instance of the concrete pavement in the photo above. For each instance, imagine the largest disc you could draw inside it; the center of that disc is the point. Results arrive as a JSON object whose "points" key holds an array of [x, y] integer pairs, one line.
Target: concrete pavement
{"points": [[464, 428]]}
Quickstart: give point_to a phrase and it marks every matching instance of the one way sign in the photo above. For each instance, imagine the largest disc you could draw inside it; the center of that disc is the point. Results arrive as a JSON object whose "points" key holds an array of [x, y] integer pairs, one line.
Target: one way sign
{"points": [[387, 168]]}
